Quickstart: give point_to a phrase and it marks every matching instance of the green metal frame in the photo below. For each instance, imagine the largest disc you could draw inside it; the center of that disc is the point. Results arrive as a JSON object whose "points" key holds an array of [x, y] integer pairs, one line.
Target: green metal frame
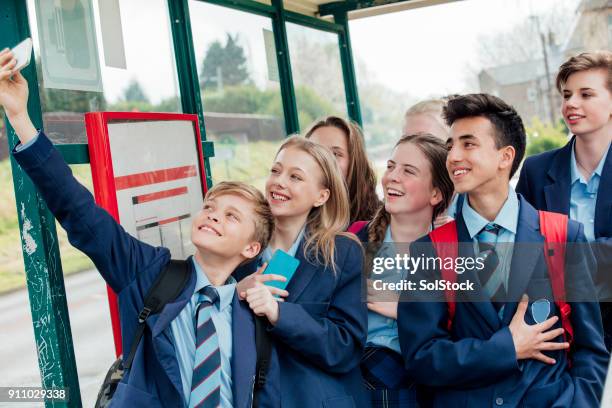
{"points": [[292, 123], [42, 261], [41, 256], [187, 69], [348, 69], [280, 17]]}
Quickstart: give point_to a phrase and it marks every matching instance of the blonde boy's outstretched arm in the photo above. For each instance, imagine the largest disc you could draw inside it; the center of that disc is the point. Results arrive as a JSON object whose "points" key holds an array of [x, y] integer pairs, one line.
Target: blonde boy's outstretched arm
{"points": [[117, 255], [14, 97]]}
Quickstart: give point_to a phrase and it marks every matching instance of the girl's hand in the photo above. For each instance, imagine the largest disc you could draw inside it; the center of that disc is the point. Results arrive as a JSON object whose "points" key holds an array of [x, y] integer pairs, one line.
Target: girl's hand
{"points": [[257, 276], [382, 302], [387, 309], [262, 302]]}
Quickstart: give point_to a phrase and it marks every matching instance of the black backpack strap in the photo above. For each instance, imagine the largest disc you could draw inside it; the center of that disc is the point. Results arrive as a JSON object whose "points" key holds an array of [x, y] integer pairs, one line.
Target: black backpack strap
{"points": [[167, 286], [263, 346]]}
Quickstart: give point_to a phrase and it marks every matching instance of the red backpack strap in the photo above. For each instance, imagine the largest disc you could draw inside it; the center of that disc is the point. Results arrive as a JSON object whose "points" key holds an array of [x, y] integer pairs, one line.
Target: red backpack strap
{"points": [[554, 229], [356, 227], [445, 242]]}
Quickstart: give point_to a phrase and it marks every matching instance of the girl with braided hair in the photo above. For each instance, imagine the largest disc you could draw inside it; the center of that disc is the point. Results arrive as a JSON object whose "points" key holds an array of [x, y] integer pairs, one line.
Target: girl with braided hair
{"points": [[417, 188]]}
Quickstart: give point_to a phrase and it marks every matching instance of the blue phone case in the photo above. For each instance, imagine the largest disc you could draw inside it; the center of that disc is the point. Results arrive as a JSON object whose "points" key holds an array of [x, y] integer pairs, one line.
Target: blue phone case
{"points": [[281, 264]]}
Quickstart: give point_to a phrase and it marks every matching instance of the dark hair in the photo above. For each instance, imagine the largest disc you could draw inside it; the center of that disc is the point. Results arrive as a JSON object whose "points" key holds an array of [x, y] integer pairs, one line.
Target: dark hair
{"points": [[360, 178], [508, 125], [435, 151]]}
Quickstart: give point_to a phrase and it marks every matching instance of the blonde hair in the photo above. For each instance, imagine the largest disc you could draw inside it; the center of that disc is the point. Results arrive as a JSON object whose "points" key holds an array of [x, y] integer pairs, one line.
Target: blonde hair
{"points": [[328, 221], [263, 218], [360, 178], [431, 107], [584, 62]]}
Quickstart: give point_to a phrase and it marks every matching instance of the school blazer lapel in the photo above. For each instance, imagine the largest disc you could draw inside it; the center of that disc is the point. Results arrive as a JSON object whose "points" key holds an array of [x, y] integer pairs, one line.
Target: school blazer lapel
{"points": [[244, 353], [302, 277], [475, 299], [603, 207], [162, 341], [557, 194], [528, 250]]}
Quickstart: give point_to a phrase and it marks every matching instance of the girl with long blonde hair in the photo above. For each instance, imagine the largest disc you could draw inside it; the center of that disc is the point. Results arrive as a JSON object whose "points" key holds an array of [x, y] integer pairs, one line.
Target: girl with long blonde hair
{"points": [[318, 325]]}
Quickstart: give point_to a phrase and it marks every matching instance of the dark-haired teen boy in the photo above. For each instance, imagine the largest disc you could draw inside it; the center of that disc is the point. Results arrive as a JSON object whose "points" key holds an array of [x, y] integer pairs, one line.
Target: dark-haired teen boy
{"points": [[577, 179], [496, 352]]}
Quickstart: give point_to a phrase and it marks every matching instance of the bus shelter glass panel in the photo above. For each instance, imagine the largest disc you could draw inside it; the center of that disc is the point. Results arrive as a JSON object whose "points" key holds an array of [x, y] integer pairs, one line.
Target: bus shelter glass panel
{"points": [[239, 82], [100, 55], [317, 73], [513, 53]]}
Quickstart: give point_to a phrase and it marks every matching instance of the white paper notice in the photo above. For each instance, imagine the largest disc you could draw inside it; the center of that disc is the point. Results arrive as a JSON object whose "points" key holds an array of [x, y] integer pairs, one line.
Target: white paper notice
{"points": [[68, 45], [158, 192]]}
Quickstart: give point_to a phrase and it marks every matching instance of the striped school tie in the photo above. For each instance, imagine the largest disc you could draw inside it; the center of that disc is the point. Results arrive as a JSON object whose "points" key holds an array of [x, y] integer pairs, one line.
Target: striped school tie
{"points": [[206, 382], [491, 281]]}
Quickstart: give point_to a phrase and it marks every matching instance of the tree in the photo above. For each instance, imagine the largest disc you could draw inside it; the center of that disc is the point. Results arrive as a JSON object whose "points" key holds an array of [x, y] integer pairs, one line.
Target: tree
{"points": [[224, 65], [135, 93], [542, 137]]}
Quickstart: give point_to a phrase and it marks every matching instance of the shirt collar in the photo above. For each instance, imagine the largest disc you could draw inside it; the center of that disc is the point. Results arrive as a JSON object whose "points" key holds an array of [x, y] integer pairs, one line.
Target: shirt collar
{"points": [[388, 234], [507, 217], [226, 292], [266, 254], [575, 174]]}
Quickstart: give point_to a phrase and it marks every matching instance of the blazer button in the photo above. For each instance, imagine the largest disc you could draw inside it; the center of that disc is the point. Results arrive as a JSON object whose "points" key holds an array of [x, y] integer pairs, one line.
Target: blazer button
{"points": [[499, 401]]}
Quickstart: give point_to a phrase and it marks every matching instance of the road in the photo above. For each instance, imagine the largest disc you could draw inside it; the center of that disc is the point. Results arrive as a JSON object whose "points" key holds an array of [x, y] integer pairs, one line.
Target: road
{"points": [[91, 333]]}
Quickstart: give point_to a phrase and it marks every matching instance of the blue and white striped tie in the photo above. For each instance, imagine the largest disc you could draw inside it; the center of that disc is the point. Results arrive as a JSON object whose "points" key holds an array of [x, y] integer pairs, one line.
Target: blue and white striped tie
{"points": [[206, 382], [490, 278]]}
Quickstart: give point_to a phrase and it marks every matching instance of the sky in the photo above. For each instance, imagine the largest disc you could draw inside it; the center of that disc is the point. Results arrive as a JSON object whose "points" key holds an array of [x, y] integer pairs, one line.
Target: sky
{"points": [[424, 52], [427, 51]]}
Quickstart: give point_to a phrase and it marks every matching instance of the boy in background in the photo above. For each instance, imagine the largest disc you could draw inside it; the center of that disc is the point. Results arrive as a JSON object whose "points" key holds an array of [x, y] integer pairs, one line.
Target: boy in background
{"points": [[576, 179]]}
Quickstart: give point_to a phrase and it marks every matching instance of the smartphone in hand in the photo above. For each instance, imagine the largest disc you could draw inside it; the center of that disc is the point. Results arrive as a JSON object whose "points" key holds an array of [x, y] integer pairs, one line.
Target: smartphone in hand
{"points": [[22, 53], [281, 264]]}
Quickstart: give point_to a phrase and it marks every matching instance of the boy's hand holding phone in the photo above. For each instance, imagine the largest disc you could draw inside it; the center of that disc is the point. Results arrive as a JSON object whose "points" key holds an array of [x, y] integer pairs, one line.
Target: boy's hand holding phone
{"points": [[14, 96]]}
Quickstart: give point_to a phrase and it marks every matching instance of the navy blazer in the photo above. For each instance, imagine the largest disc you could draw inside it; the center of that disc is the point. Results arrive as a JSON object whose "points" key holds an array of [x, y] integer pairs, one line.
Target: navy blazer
{"points": [[130, 267], [545, 182], [321, 331], [475, 365]]}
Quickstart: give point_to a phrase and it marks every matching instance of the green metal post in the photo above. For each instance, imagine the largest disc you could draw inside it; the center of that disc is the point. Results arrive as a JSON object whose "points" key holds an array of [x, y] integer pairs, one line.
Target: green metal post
{"points": [[348, 68], [187, 68], [39, 242], [292, 122]]}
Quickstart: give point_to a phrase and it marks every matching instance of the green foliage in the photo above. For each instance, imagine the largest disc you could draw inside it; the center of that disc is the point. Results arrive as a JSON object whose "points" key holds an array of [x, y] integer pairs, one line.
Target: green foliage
{"points": [[166, 105], [134, 92], [250, 99], [542, 137], [239, 99], [311, 106], [62, 100], [228, 60]]}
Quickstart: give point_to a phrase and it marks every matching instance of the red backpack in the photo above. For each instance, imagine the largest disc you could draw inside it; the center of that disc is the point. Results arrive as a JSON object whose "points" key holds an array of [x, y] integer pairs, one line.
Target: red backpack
{"points": [[356, 227], [554, 229]]}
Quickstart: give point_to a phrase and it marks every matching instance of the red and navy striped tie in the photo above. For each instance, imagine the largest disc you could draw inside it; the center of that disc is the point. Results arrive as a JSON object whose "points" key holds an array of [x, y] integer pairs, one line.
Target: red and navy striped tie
{"points": [[206, 382]]}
